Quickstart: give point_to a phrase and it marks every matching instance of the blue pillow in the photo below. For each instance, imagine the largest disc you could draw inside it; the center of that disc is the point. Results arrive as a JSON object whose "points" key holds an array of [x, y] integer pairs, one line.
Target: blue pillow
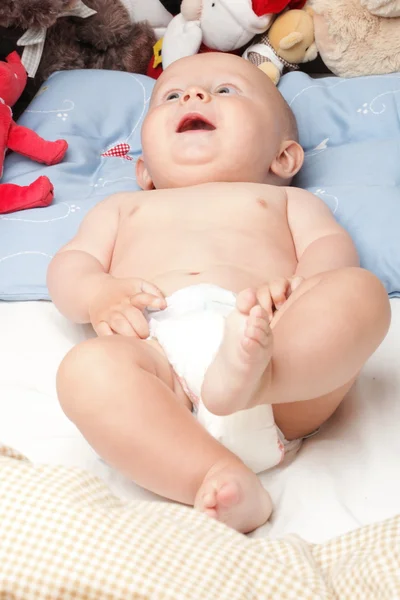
{"points": [[100, 114], [350, 129]]}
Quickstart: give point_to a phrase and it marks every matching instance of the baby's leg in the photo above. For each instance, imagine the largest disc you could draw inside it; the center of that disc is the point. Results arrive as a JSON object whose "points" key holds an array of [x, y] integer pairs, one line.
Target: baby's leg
{"points": [[322, 337], [124, 397]]}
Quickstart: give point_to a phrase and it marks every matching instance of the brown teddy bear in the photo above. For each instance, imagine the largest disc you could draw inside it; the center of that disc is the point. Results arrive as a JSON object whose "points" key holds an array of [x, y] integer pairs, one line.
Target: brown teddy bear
{"points": [[55, 35], [289, 42]]}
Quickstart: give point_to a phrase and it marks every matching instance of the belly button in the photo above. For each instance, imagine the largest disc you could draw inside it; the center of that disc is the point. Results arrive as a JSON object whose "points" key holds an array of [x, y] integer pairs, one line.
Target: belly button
{"points": [[194, 273]]}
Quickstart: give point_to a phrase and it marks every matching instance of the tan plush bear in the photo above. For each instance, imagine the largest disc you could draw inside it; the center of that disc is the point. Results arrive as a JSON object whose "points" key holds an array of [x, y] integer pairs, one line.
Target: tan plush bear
{"points": [[289, 42], [356, 38]]}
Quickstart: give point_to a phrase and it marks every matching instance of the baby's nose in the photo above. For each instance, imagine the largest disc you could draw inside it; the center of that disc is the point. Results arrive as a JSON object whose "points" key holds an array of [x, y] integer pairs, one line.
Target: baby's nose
{"points": [[196, 93]]}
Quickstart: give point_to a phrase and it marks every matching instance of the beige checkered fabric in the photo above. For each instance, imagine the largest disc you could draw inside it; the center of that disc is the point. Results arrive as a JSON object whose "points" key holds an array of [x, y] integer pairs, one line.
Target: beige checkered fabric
{"points": [[63, 536]]}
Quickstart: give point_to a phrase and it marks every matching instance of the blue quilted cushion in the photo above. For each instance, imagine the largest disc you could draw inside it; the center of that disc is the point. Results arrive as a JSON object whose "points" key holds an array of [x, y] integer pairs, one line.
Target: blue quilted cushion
{"points": [[349, 128], [100, 114]]}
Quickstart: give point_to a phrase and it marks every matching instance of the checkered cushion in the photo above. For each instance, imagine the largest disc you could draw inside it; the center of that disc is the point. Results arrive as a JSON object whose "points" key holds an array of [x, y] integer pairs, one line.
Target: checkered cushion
{"points": [[64, 535]]}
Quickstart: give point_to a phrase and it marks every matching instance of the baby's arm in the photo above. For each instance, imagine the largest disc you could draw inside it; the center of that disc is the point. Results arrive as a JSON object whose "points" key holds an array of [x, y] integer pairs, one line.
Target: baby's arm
{"points": [[80, 268], [321, 244]]}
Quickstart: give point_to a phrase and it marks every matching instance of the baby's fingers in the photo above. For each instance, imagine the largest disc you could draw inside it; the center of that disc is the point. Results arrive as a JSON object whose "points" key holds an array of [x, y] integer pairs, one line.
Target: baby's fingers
{"points": [[150, 288], [146, 300], [137, 322], [280, 291], [295, 282], [119, 323], [102, 328], [265, 300]]}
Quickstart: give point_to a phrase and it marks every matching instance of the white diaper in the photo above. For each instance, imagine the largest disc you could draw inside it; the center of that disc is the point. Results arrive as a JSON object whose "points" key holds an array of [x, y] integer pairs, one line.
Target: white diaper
{"points": [[190, 331]]}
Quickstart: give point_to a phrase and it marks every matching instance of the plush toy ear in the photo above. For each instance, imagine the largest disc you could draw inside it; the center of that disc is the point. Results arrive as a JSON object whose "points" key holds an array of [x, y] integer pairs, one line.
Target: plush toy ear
{"points": [[311, 53], [13, 78], [291, 40]]}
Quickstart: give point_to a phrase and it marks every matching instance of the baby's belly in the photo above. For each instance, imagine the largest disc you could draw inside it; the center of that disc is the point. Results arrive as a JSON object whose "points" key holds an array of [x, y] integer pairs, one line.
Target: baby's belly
{"points": [[234, 261], [228, 277]]}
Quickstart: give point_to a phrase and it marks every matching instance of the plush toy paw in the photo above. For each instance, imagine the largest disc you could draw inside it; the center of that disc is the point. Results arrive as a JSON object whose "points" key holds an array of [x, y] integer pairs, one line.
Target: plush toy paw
{"points": [[56, 152], [38, 194], [191, 9], [271, 71], [182, 38]]}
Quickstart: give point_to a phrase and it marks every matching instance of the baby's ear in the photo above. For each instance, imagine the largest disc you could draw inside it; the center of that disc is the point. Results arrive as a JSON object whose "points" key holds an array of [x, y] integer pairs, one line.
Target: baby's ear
{"points": [[289, 160], [143, 176]]}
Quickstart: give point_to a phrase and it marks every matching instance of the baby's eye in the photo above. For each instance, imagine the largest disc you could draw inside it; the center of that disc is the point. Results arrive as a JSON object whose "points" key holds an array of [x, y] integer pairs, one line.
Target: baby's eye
{"points": [[226, 89], [173, 96]]}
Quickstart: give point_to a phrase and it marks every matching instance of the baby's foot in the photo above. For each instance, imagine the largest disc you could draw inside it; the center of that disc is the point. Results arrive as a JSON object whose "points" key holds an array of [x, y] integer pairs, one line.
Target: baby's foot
{"points": [[233, 379], [233, 495]]}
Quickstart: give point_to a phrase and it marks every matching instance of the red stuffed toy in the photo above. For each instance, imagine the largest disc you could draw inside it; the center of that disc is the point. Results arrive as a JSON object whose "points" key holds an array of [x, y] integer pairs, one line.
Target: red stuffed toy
{"points": [[13, 78]]}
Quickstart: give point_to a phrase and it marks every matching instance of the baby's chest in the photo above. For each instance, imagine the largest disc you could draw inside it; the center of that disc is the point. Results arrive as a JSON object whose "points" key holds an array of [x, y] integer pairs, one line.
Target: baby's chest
{"points": [[196, 212]]}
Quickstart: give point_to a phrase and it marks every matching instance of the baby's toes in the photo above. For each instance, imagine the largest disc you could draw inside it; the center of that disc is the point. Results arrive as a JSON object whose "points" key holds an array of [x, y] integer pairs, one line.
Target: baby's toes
{"points": [[258, 323], [246, 301], [255, 337], [257, 312], [206, 501], [210, 499], [257, 326]]}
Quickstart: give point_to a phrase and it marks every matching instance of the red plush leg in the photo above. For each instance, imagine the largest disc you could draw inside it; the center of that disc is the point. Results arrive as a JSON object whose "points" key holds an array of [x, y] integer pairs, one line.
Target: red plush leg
{"points": [[30, 144], [15, 197], [5, 119]]}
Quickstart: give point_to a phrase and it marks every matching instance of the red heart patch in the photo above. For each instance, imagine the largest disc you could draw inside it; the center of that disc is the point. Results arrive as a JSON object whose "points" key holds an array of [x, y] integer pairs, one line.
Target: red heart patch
{"points": [[119, 151]]}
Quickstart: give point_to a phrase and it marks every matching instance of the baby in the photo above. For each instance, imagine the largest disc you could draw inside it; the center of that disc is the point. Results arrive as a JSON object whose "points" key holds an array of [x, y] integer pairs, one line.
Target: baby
{"points": [[231, 311]]}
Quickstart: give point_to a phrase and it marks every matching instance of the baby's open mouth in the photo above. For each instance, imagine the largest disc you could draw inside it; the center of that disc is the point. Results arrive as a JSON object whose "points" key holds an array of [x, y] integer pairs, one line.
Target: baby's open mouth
{"points": [[194, 123]]}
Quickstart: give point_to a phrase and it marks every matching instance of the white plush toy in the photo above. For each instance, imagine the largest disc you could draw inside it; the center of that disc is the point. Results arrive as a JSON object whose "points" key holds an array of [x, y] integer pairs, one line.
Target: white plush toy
{"points": [[382, 8], [224, 25], [153, 11]]}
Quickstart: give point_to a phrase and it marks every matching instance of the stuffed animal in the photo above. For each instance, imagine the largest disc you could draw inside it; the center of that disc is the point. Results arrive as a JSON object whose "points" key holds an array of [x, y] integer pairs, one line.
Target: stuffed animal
{"points": [[356, 38], [13, 79], [221, 25], [382, 8], [158, 13], [72, 34], [289, 42]]}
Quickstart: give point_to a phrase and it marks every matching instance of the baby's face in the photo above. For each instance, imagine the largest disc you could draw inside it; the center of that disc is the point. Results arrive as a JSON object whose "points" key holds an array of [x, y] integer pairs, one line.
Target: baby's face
{"points": [[212, 117]]}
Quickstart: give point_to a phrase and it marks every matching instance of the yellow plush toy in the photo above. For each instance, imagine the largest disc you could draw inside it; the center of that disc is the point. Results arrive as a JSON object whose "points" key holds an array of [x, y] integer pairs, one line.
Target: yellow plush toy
{"points": [[289, 42]]}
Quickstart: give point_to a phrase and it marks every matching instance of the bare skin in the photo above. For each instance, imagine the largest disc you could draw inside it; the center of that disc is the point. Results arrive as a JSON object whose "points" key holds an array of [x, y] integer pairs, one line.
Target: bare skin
{"points": [[307, 317], [234, 377]]}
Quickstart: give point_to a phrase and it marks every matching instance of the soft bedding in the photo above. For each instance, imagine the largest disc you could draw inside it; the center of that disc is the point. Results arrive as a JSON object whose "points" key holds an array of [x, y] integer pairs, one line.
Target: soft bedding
{"points": [[344, 477], [63, 535], [350, 129], [100, 114]]}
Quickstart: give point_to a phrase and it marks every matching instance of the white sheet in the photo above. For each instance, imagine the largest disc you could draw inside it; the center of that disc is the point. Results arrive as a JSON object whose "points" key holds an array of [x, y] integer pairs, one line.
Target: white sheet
{"points": [[345, 477]]}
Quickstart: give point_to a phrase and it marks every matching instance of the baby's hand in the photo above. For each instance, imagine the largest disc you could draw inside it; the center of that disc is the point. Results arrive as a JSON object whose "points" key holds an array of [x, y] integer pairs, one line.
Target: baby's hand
{"points": [[272, 296], [118, 307]]}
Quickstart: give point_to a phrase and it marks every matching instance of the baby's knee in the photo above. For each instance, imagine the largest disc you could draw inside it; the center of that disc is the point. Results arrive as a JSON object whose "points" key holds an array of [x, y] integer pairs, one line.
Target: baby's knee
{"points": [[86, 372], [372, 304]]}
